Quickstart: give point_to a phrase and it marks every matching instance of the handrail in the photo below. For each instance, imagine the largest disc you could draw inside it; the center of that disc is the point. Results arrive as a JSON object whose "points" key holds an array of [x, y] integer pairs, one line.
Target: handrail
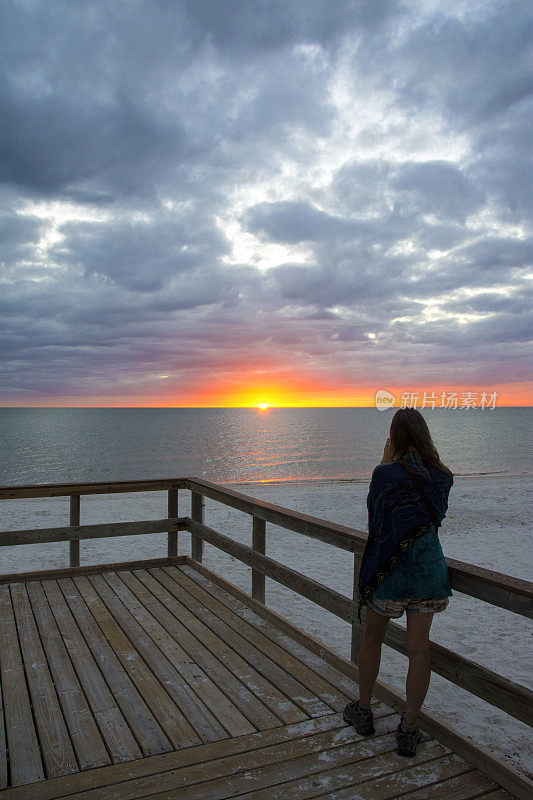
{"points": [[98, 487], [502, 590], [341, 536], [505, 591], [75, 490], [99, 531]]}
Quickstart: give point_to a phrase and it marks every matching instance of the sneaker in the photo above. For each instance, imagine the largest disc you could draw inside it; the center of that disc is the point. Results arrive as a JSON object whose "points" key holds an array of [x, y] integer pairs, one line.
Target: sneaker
{"points": [[407, 740], [363, 721]]}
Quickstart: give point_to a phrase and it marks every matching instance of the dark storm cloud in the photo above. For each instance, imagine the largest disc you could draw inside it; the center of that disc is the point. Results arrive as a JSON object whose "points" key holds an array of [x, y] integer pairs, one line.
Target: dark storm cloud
{"points": [[371, 157]]}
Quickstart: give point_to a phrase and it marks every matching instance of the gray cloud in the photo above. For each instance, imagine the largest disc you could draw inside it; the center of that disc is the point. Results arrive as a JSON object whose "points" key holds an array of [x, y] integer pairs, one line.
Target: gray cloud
{"points": [[475, 66], [253, 27], [143, 255], [494, 302], [439, 188], [19, 237], [152, 155], [297, 222]]}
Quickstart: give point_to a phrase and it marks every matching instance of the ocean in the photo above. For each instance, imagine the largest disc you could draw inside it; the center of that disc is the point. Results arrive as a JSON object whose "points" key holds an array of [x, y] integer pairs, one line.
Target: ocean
{"points": [[244, 445]]}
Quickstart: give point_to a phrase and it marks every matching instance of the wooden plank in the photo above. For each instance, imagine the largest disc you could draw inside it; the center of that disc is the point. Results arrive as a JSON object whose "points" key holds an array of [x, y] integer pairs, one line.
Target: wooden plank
{"points": [[185, 720], [317, 592], [225, 608], [74, 551], [204, 778], [462, 787], [119, 739], [267, 658], [98, 487], [309, 650], [336, 686], [220, 640], [499, 794], [24, 753], [102, 531], [192, 618], [172, 513], [57, 751], [166, 712], [359, 760], [322, 773], [351, 783], [146, 729], [259, 545], [67, 572], [83, 731], [185, 663], [153, 765], [197, 515], [172, 616]]}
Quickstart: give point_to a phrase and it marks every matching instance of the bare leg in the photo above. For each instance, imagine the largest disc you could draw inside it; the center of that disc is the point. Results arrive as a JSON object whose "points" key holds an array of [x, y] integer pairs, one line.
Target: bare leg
{"points": [[419, 672], [369, 656]]}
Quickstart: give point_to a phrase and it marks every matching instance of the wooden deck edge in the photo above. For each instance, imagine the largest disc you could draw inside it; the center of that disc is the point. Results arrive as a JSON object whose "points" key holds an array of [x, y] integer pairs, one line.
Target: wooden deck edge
{"points": [[67, 572], [505, 776]]}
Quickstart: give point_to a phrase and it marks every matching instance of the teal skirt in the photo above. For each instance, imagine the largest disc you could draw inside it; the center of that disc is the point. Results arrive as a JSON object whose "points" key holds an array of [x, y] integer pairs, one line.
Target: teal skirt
{"points": [[420, 572]]}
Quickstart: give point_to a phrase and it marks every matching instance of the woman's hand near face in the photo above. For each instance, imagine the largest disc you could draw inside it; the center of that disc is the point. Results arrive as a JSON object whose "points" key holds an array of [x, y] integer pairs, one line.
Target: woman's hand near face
{"points": [[387, 452]]}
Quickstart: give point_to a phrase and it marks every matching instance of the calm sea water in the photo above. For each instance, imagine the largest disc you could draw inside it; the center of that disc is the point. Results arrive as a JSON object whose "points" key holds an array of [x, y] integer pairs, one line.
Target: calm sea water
{"points": [[50, 445]]}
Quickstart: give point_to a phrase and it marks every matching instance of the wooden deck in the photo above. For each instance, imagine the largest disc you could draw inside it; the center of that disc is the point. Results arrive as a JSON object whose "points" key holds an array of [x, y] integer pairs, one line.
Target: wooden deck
{"points": [[155, 682]]}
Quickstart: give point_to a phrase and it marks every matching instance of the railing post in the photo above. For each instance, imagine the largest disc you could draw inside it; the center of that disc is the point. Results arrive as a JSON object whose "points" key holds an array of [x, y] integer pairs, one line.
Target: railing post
{"points": [[258, 544], [74, 520], [172, 550], [357, 627], [197, 514]]}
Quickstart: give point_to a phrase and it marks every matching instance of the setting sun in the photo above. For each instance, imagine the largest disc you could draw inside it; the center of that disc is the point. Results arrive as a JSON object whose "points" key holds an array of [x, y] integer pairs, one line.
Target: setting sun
{"points": [[263, 405]]}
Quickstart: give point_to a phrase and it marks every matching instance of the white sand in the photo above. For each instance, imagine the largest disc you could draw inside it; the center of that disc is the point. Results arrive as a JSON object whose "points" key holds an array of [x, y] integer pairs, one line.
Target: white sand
{"points": [[486, 525]]}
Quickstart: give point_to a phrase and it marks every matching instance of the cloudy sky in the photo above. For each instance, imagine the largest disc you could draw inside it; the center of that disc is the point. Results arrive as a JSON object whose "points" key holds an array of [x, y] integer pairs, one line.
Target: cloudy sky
{"points": [[223, 202]]}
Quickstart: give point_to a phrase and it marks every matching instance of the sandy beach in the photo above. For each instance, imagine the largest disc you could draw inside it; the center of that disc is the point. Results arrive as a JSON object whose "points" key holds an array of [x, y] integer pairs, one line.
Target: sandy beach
{"points": [[486, 525]]}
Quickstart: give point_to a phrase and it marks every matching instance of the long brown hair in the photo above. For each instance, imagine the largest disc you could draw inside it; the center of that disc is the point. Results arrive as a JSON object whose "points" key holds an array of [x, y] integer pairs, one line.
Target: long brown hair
{"points": [[408, 430]]}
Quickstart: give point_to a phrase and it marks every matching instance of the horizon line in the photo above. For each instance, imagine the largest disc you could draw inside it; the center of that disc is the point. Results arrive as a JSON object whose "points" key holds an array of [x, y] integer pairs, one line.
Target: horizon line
{"points": [[267, 408]]}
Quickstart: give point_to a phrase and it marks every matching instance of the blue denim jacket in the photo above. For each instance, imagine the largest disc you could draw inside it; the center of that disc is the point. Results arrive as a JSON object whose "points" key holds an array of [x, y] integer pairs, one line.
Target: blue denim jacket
{"points": [[420, 572]]}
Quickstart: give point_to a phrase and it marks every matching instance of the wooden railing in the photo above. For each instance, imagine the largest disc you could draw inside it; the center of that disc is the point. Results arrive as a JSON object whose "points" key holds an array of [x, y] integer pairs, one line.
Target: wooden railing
{"points": [[512, 594]]}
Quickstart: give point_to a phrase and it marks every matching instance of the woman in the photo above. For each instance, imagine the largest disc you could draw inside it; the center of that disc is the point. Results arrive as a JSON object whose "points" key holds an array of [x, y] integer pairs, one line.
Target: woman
{"points": [[403, 567]]}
